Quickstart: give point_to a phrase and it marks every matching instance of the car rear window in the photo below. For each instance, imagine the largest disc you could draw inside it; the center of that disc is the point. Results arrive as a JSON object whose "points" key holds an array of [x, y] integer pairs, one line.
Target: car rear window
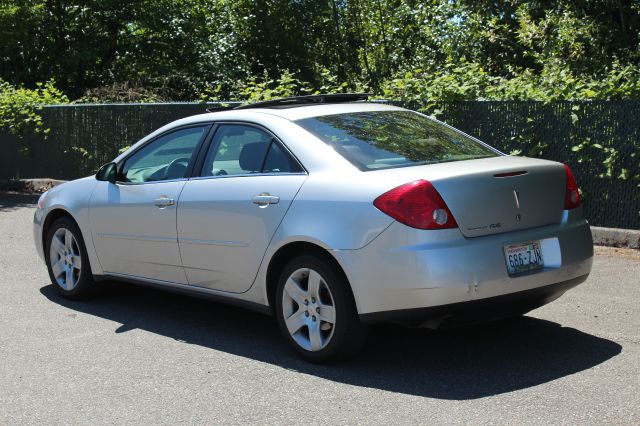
{"points": [[386, 139]]}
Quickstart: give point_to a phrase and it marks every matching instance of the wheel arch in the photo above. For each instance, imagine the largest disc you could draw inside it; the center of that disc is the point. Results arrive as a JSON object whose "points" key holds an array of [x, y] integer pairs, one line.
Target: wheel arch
{"points": [[53, 215], [289, 251], [59, 212]]}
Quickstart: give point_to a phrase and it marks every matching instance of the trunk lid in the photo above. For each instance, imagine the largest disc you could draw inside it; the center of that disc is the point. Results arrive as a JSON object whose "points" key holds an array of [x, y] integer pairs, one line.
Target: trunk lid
{"points": [[494, 195]]}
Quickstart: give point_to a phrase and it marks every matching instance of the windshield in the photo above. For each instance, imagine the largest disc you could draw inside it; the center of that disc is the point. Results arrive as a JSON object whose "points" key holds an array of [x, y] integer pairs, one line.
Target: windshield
{"points": [[385, 139]]}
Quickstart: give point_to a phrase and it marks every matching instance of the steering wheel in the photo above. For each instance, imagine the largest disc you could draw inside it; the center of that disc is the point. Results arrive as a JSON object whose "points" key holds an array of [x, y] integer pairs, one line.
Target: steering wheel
{"points": [[219, 172], [176, 169]]}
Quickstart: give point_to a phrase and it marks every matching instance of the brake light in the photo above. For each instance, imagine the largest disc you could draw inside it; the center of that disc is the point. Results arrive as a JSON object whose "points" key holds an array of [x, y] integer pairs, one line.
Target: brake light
{"points": [[418, 205], [572, 198]]}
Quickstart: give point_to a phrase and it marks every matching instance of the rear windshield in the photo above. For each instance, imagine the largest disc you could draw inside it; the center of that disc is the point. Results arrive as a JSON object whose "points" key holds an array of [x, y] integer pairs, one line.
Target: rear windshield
{"points": [[386, 139]]}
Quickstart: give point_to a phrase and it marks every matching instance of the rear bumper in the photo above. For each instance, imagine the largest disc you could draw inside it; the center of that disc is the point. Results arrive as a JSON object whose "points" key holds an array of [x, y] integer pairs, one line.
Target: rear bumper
{"points": [[405, 269], [475, 311]]}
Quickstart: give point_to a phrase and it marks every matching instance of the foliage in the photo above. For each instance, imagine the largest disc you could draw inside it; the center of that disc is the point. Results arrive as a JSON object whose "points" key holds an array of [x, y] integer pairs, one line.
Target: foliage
{"points": [[180, 49], [423, 53], [465, 81], [121, 93], [19, 109], [264, 88]]}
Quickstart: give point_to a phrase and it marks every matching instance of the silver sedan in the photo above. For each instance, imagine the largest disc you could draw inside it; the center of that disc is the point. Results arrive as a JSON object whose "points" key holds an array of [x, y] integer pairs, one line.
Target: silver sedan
{"points": [[329, 213]]}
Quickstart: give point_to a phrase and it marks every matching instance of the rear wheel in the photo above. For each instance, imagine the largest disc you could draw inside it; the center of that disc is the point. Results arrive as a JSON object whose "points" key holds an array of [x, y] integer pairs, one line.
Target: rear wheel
{"points": [[316, 312], [67, 260]]}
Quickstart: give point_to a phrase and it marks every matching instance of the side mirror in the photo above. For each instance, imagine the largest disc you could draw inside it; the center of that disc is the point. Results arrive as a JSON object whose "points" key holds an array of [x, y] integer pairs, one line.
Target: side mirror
{"points": [[107, 173]]}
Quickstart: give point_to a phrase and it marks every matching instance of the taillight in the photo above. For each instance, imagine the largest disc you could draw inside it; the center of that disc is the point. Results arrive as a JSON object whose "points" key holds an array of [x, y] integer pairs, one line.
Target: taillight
{"points": [[418, 205], [572, 197]]}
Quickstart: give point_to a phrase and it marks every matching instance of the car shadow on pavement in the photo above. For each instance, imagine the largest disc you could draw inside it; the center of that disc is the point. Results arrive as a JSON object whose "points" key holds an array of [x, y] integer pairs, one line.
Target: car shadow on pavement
{"points": [[457, 364]]}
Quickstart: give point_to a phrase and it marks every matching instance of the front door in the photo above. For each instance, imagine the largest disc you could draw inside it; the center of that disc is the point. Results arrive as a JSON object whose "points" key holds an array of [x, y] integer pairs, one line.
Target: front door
{"points": [[228, 215], [134, 220]]}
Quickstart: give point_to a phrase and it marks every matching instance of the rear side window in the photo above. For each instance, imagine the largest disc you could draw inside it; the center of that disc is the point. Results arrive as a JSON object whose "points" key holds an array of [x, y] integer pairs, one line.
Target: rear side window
{"points": [[386, 139], [279, 161], [238, 149]]}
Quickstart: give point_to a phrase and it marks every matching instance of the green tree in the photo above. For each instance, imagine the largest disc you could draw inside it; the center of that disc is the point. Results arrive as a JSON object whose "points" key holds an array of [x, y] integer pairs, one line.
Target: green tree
{"points": [[177, 49]]}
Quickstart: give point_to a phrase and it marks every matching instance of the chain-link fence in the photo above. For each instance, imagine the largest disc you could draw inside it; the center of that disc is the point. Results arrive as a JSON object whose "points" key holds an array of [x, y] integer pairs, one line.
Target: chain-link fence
{"points": [[599, 140]]}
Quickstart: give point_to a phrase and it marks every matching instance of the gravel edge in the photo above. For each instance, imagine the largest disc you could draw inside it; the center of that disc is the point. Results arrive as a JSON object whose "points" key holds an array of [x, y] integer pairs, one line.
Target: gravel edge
{"points": [[613, 237]]}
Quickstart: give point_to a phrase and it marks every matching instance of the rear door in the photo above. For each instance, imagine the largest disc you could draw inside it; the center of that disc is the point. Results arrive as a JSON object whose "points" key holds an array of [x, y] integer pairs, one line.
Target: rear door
{"points": [[133, 221], [228, 215]]}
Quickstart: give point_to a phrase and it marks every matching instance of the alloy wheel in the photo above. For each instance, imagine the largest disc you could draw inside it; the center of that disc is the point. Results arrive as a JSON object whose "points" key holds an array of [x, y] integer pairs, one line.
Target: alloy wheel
{"points": [[65, 258], [308, 309]]}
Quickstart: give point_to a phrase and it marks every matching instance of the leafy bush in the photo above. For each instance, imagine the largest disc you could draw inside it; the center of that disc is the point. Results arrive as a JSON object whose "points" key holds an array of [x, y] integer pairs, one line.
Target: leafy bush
{"points": [[19, 109], [264, 88], [469, 81], [121, 93]]}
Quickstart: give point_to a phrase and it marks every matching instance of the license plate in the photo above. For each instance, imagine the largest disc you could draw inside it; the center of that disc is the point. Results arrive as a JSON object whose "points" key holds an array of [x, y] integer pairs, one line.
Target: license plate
{"points": [[524, 257]]}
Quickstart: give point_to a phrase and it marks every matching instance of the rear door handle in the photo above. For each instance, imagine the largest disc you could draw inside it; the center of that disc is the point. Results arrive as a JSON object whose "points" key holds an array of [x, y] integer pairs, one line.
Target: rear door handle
{"points": [[264, 199], [163, 201]]}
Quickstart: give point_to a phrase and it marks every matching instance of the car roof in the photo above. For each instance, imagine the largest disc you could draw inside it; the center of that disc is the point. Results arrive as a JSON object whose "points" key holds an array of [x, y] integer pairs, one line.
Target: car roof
{"points": [[292, 113]]}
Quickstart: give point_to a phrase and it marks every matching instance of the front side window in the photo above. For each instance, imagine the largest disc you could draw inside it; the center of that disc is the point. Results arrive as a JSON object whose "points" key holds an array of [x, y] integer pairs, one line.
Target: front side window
{"points": [[238, 149], [165, 158], [387, 139]]}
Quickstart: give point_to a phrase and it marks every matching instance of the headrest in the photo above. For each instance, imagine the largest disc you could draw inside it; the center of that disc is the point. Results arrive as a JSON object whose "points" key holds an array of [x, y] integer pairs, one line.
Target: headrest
{"points": [[252, 156]]}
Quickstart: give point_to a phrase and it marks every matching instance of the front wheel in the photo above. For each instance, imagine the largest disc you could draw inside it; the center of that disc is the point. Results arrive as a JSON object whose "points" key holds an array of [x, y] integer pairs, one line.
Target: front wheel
{"points": [[316, 312], [67, 260]]}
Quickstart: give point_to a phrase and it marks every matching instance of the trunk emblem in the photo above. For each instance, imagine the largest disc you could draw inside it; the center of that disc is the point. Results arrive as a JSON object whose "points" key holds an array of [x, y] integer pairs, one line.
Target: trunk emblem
{"points": [[516, 195], [518, 217]]}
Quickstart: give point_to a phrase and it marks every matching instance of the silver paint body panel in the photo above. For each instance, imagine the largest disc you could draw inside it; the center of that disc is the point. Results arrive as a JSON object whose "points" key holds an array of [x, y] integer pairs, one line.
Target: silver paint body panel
{"points": [[405, 269], [223, 235], [214, 239], [133, 236]]}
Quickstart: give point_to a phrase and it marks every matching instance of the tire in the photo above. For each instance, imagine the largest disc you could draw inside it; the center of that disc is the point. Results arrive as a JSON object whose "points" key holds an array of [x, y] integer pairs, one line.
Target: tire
{"points": [[305, 314], [67, 260]]}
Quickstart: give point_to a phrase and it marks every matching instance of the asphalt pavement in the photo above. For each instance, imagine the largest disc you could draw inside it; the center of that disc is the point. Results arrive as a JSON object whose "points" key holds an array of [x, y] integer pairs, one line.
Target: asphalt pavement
{"points": [[133, 355]]}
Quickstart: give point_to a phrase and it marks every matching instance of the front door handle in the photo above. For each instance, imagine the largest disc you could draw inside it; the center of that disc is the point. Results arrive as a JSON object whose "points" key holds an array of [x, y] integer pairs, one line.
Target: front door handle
{"points": [[264, 199], [164, 201]]}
